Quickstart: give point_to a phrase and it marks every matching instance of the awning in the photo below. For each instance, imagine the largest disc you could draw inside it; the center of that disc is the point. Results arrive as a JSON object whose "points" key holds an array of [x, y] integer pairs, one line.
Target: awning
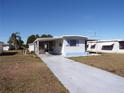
{"points": [[107, 44]]}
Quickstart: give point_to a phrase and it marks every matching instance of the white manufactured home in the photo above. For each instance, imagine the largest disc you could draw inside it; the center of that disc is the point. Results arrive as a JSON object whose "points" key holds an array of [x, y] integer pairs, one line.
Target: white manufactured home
{"points": [[1, 47], [106, 46], [71, 45]]}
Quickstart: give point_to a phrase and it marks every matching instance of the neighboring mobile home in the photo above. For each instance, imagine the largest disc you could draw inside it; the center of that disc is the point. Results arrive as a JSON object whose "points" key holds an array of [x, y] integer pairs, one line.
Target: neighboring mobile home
{"points": [[31, 47], [106, 46], [1, 47], [5, 47], [71, 45]]}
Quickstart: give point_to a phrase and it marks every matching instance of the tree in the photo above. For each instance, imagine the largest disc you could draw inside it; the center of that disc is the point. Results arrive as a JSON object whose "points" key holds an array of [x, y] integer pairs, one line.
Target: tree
{"points": [[15, 41], [37, 36], [49, 35], [32, 38], [46, 35]]}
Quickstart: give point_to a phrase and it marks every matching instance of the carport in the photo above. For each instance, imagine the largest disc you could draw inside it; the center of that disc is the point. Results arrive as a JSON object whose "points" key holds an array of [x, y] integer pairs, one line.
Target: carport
{"points": [[49, 45]]}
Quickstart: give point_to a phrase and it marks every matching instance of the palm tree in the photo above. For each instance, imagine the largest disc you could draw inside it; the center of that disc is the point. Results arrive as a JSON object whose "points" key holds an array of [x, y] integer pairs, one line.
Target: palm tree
{"points": [[15, 40]]}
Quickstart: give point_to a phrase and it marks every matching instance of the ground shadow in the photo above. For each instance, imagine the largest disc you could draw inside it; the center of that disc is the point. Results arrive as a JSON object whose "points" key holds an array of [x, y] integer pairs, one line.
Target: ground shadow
{"points": [[8, 53]]}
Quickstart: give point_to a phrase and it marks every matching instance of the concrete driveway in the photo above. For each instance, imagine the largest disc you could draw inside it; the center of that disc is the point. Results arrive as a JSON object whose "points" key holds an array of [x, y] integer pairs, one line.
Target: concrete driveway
{"points": [[80, 78]]}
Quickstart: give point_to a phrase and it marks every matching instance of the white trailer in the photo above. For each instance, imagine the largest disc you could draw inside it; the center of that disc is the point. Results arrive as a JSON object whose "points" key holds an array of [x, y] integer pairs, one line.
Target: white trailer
{"points": [[106, 46]]}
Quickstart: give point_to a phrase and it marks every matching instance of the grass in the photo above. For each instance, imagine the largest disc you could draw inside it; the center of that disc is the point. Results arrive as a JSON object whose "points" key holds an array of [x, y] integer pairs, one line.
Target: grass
{"points": [[110, 62], [26, 74]]}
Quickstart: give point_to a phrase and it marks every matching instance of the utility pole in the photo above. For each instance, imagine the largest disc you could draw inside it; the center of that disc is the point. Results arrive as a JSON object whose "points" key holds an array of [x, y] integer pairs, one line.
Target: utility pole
{"points": [[94, 34]]}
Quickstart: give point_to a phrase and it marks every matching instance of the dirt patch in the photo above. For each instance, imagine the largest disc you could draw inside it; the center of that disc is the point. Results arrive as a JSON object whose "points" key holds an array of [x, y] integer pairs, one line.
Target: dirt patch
{"points": [[27, 74], [110, 62]]}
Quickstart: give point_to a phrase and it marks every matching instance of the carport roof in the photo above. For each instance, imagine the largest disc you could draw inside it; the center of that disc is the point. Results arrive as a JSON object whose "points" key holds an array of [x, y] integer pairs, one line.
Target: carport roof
{"points": [[56, 38], [67, 36], [46, 39]]}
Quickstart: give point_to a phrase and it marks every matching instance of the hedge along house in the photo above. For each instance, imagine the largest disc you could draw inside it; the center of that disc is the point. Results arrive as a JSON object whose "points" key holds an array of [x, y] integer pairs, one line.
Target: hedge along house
{"points": [[71, 45], [106, 46]]}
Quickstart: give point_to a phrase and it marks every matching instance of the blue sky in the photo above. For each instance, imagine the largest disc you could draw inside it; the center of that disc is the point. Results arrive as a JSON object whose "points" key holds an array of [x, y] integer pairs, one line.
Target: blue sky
{"points": [[58, 17]]}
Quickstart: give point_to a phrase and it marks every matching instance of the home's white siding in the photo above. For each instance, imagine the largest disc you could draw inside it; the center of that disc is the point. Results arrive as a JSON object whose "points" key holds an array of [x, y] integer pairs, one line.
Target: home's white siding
{"points": [[90, 44], [31, 47], [100, 44], [78, 50]]}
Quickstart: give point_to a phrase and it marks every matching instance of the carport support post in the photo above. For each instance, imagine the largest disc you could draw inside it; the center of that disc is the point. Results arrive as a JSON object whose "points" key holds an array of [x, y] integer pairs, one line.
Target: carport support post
{"points": [[38, 47], [48, 46]]}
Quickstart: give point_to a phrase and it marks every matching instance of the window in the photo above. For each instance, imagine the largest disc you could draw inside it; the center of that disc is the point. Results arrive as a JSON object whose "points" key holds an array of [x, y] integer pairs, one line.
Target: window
{"points": [[121, 45], [73, 42], [107, 47], [93, 46]]}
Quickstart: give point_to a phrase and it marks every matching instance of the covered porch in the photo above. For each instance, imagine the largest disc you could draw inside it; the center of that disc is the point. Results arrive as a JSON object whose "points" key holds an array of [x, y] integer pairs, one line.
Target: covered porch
{"points": [[48, 45]]}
